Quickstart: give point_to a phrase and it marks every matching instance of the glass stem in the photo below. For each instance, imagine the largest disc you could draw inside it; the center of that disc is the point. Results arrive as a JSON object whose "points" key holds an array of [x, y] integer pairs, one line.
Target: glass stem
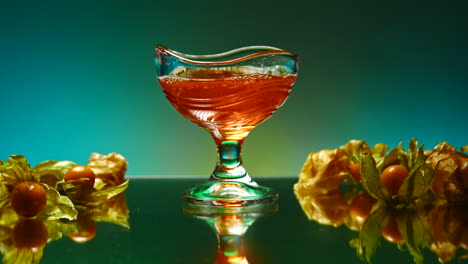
{"points": [[229, 164], [230, 247]]}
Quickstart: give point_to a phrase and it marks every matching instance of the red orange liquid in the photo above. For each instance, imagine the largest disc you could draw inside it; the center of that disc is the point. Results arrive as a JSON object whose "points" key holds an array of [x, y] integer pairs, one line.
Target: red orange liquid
{"points": [[228, 103]]}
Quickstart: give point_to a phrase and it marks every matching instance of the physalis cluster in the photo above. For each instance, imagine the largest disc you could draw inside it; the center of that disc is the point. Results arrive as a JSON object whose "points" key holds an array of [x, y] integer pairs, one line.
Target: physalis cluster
{"points": [[412, 197], [40, 204]]}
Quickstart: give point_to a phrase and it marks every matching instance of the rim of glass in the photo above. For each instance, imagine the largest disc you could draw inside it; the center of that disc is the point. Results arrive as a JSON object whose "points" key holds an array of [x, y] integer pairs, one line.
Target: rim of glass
{"points": [[193, 58]]}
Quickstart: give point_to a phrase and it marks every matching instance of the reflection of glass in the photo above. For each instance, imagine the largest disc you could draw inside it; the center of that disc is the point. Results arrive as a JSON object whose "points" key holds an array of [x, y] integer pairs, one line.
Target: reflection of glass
{"points": [[228, 94], [230, 225]]}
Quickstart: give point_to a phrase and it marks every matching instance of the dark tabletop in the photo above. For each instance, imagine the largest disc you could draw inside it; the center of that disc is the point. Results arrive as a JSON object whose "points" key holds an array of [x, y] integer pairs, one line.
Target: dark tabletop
{"points": [[161, 232]]}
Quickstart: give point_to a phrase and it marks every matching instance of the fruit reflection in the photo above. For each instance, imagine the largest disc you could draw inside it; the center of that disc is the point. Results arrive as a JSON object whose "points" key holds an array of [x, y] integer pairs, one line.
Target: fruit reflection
{"points": [[439, 227], [23, 240], [230, 225], [360, 207], [29, 234], [415, 199], [86, 229], [391, 232]]}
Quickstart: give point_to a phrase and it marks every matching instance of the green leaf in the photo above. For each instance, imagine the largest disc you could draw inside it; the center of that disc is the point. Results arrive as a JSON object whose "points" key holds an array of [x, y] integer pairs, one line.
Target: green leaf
{"points": [[370, 234], [419, 179], [418, 160], [16, 170], [412, 229], [356, 244], [58, 206], [413, 150], [371, 177], [403, 156], [390, 159], [52, 171]]}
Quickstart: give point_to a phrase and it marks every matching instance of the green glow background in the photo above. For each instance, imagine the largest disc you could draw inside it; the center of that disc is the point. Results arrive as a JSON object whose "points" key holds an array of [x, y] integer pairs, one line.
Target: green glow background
{"points": [[77, 77]]}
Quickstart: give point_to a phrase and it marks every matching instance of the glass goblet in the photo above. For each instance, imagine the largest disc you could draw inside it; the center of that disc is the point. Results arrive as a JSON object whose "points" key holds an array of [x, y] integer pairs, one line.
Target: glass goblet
{"points": [[228, 94]]}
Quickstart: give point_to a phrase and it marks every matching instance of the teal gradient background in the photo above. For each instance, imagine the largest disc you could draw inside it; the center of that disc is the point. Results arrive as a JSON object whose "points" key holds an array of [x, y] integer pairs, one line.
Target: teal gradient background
{"points": [[77, 77]]}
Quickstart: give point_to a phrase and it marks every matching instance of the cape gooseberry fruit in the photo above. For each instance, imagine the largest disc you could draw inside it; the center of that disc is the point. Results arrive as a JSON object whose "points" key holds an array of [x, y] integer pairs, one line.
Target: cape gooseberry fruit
{"points": [[354, 169], [29, 234], [28, 198], [81, 172], [393, 177]]}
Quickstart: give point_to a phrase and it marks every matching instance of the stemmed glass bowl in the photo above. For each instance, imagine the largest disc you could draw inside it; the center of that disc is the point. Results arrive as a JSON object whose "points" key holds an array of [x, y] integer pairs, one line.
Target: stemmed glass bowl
{"points": [[228, 94]]}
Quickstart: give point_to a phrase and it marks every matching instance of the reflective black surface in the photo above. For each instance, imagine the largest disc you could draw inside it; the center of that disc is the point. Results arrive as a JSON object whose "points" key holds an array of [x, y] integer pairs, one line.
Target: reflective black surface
{"points": [[161, 232]]}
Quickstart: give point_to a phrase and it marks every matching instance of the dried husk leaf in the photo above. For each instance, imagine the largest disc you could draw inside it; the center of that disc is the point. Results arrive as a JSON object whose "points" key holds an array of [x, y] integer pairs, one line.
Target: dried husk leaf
{"points": [[326, 208], [115, 211], [8, 217], [448, 224], [16, 170], [465, 148], [118, 205], [450, 180], [56, 229], [4, 197], [76, 190], [379, 150], [5, 233], [16, 256], [354, 148], [324, 170], [107, 193], [87, 196], [110, 168], [52, 171]]}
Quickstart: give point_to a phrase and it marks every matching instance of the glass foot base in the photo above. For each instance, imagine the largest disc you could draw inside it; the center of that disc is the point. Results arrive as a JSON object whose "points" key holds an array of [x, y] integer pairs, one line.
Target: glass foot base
{"points": [[230, 194]]}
